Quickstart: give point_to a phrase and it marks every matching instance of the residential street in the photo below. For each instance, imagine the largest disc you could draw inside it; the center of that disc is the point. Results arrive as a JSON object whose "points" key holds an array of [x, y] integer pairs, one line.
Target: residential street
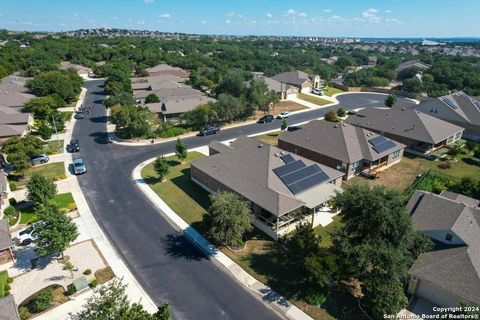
{"points": [[169, 267]]}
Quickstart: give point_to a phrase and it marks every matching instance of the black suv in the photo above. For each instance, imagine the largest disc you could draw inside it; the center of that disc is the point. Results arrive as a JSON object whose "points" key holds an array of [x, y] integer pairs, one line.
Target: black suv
{"points": [[209, 131], [266, 118], [74, 145]]}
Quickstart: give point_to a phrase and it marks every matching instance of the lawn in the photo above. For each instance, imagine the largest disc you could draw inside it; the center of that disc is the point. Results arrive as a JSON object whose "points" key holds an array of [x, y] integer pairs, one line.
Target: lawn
{"points": [[317, 100], [52, 147], [269, 138], [324, 232], [3, 282], [190, 202], [54, 170], [62, 200], [279, 107], [28, 215], [330, 91]]}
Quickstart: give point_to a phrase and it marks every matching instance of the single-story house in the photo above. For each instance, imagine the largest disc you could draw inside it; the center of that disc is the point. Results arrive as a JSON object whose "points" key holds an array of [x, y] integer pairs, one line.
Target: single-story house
{"points": [[8, 308], [165, 69], [7, 258], [299, 79], [413, 63], [16, 124], [420, 132], [171, 109], [457, 108], [353, 150], [284, 90], [283, 189], [152, 83], [450, 274]]}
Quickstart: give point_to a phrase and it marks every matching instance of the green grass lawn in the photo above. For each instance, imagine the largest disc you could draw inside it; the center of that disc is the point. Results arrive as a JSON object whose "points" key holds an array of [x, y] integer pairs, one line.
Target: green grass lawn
{"points": [[324, 232], [181, 194], [3, 282], [62, 200], [28, 215], [330, 91], [269, 138], [52, 147], [312, 99], [54, 170]]}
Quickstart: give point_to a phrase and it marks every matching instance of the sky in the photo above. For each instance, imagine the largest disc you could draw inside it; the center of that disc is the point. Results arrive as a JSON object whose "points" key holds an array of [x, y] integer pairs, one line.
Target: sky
{"points": [[333, 18]]}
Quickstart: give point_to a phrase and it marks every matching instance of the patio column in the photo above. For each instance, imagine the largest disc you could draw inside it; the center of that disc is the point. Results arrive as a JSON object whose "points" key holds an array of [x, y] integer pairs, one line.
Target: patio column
{"points": [[313, 215]]}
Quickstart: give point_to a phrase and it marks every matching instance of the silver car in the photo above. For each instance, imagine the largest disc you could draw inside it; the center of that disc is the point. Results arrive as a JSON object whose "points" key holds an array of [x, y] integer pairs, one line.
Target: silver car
{"points": [[79, 166], [39, 158]]}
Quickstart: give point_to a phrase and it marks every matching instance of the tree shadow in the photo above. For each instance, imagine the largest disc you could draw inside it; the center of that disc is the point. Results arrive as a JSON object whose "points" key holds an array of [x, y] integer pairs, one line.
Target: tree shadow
{"points": [[151, 180], [100, 137], [179, 246], [101, 119]]}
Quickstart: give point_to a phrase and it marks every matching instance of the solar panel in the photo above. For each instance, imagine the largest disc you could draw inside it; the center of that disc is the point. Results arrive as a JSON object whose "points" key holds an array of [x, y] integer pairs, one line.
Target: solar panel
{"points": [[449, 103], [289, 168], [287, 158], [301, 174], [307, 183], [384, 146], [378, 140], [477, 104]]}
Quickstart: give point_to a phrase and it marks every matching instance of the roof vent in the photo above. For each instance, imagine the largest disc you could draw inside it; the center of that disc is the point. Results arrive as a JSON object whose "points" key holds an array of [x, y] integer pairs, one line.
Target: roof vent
{"points": [[344, 124], [403, 109], [283, 152], [277, 155], [335, 126], [260, 145]]}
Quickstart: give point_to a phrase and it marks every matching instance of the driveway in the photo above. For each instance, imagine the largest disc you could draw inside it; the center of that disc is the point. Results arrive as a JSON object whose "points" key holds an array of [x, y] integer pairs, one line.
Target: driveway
{"points": [[169, 267]]}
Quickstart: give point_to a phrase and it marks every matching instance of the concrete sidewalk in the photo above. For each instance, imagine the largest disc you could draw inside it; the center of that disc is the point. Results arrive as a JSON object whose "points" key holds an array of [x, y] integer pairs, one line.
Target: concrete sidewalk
{"points": [[263, 292]]}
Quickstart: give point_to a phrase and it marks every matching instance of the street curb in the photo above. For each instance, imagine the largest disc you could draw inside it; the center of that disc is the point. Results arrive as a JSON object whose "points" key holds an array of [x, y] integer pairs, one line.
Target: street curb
{"points": [[265, 293]]}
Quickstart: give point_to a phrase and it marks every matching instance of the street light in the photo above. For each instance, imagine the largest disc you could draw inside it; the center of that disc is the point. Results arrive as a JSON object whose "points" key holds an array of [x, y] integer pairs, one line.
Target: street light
{"points": [[56, 132]]}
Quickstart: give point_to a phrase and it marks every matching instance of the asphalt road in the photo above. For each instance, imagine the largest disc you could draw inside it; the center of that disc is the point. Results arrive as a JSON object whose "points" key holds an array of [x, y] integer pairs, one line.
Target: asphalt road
{"points": [[166, 263]]}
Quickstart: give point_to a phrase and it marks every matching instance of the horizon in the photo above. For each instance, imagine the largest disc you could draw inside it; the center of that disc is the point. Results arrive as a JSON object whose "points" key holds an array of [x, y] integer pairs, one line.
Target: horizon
{"points": [[344, 19]]}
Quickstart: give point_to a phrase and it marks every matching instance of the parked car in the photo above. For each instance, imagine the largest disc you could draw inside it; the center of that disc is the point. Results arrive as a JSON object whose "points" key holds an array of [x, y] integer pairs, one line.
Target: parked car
{"points": [[39, 158], [26, 235], [209, 131], [74, 145], [283, 115], [79, 115], [317, 92], [266, 118], [79, 166], [293, 128]]}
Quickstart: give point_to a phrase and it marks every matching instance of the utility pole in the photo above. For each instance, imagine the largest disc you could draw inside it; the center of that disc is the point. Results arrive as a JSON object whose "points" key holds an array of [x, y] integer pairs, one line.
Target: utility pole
{"points": [[56, 132]]}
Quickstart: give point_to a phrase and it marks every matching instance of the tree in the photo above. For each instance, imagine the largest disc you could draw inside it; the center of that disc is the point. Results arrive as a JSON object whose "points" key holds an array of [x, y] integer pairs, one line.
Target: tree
{"points": [[19, 161], [55, 232], [232, 83], [152, 98], [40, 189], [161, 167], [110, 302], [42, 107], [42, 300], [228, 218], [284, 125], [201, 116], [44, 131], [390, 101], [133, 122], [257, 95], [230, 108], [122, 99], [331, 116], [341, 112], [181, 150], [66, 84]]}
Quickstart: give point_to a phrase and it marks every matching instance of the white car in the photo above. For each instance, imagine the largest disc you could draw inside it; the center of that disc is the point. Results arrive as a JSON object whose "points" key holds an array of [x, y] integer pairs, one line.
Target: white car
{"points": [[26, 235], [317, 92], [283, 115]]}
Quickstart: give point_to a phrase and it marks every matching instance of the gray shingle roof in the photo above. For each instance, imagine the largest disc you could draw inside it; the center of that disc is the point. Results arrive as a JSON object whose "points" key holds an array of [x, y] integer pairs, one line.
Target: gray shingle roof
{"points": [[5, 236], [275, 85], [8, 309], [456, 269], [247, 169], [340, 141], [295, 77], [13, 92], [405, 122], [460, 198], [179, 104], [412, 63]]}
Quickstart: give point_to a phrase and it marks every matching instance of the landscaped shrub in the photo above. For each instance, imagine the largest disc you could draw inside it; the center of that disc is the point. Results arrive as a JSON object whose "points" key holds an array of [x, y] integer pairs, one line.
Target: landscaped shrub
{"points": [[473, 161], [316, 298], [341, 112], [445, 165], [13, 186], [72, 206], [41, 300], [63, 210], [70, 289], [23, 313], [9, 280], [171, 132], [60, 177], [351, 112], [12, 201], [10, 211], [94, 283], [331, 116], [87, 272]]}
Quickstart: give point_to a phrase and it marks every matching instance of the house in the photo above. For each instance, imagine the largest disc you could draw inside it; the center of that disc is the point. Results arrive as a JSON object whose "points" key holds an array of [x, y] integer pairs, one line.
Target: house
{"points": [[4, 188], [347, 148], [457, 108], [150, 83], [8, 308], [170, 109], [7, 258], [283, 90], [12, 125], [299, 79], [450, 273], [283, 189], [421, 133], [165, 69], [413, 63]]}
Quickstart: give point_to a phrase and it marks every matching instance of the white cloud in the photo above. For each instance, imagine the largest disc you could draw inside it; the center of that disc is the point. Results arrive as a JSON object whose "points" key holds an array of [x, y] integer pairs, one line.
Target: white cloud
{"points": [[142, 22], [227, 21], [393, 21], [388, 11], [302, 14], [230, 14], [327, 10], [148, 1], [371, 15], [336, 18], [291, 12], [269, 15], [203, 22], [164, 15], [115, 18]]}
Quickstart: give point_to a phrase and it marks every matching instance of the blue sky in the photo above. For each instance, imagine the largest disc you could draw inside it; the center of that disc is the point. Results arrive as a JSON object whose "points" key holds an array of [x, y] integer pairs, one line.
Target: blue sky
{"points": [[354, 18]]}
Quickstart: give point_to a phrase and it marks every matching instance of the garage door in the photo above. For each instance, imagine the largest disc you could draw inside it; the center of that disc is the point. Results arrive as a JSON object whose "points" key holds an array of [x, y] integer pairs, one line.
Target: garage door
{"points": [[436, 294], [291, 95]]}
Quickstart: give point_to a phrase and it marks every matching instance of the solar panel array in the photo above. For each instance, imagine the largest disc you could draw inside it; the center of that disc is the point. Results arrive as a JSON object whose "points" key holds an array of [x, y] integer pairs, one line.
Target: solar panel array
{"points": [[449, 103], [381, 144], [298, 177], [287, 158], [477, 104]]}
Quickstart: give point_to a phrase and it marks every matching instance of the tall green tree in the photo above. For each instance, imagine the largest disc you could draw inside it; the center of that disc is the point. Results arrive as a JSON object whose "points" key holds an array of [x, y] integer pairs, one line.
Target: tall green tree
{"points": [[152, 98], [228, 218], [55, 232], [391, 100], [40, 189], [133, 122], [181, 150], [161, 167]]}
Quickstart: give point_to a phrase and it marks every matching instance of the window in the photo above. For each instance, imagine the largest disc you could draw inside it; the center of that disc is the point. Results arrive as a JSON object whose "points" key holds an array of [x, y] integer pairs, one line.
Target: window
{"points": [[458, 135], [450, 139], [396, 155], [448, 237], [355, 165]]}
